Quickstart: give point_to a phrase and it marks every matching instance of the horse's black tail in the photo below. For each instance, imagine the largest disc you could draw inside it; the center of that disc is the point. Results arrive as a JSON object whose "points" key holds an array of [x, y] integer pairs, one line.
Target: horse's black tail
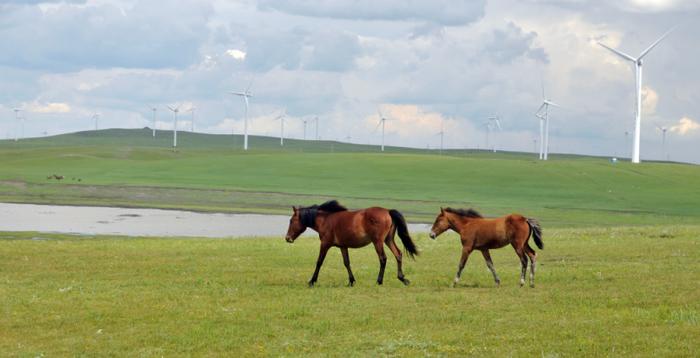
{"points": [[536, 232], [402, 229]]}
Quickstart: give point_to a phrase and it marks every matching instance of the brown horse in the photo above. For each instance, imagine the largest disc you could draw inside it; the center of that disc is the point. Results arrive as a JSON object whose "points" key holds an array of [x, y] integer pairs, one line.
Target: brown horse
{"points": [[478, 233], [336, 226]]}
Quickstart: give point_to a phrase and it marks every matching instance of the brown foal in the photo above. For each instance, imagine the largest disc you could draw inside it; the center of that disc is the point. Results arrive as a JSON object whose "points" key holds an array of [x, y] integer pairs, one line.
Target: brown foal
{"points": [[478, 233]]}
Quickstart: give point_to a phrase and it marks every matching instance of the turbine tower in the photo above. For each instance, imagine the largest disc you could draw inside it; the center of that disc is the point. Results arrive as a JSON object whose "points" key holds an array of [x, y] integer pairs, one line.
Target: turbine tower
{"points": [[316, 120], [18, 119], [663, 141], [441, 133], [543, 114], [154, 109], [638, 77], [305, 121], [281, 119], [96, 117], [382, 121], [175, 112], [245, 95], [192, 109], [493, 122]]}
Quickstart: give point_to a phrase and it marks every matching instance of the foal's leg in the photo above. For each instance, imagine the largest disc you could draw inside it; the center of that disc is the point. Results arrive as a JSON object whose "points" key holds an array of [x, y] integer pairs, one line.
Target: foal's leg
{"points": [[462, 262], [397, 253], [523, 264], [319, 262], [382, 260], [346, 261], [489, 263], [533, 258]]}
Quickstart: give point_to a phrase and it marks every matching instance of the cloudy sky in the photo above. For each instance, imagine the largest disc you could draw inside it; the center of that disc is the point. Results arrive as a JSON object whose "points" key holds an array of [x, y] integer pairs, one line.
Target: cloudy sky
{"points": [[427, 64]]}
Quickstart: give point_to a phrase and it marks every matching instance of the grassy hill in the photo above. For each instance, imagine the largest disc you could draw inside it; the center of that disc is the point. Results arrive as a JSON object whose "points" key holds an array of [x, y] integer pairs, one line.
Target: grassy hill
{"points": [[211, 173]]}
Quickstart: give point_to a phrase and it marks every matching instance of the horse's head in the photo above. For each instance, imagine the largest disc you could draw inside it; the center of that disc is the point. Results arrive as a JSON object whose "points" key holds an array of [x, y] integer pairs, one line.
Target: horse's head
{"points": [[296, 227], [440, 225]]}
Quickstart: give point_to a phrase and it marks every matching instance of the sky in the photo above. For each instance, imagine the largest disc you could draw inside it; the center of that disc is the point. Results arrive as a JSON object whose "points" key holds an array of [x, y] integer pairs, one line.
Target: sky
{"points": [[428, 66]]}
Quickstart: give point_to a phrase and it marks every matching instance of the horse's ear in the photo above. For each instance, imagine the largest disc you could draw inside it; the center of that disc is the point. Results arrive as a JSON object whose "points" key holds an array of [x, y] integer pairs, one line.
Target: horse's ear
{"points": [[294, 208], [442, 211]]}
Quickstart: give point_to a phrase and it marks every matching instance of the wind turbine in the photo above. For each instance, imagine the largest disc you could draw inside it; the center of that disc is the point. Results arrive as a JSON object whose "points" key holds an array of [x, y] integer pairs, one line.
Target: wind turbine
{"points": [[246, 95], [96, 117], [490, 124], [663, 140], [441, 133], [192, 109], [543, 114], [154, 109], [175, 112], [281, 119], [17, 118], [638, 78], [316, 120], [305, 121], [382, 121]]}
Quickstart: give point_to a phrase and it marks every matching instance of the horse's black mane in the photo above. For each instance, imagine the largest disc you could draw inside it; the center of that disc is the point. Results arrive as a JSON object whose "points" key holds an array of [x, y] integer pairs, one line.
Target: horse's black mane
{"points": [[308, 214], [470, 213]]}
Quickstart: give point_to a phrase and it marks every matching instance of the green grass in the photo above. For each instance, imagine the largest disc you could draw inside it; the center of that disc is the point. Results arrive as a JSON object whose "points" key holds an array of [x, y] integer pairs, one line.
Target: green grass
{"points": [[129, 168], [627, 291]]}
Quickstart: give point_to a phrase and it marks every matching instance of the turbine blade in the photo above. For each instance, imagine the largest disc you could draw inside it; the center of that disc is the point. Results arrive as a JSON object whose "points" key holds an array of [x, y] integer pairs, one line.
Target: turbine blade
{"points": [[645, 52], [552, 103], [381, 116], [238, 93], [377, 127], [619, 53], [540, 109], [250, 84], [498, 124]]}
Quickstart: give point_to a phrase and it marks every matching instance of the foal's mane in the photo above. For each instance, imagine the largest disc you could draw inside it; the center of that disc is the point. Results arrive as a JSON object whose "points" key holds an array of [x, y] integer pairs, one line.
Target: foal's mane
{"points": [[470, 213], [308, 214]]}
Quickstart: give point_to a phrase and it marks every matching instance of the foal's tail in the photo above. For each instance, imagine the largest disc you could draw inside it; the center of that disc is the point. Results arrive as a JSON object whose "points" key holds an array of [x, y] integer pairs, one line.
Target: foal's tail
{"points": [[536, 232], [401, 227]]}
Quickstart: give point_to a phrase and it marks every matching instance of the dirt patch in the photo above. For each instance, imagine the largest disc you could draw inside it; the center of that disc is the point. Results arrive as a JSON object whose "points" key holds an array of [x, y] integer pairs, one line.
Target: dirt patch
{"points": [[14, 183]]}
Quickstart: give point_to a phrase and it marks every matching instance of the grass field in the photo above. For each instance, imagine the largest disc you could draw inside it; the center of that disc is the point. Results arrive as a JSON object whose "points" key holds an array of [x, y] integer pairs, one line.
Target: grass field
{"points": [[600, 292], [129, 168]]}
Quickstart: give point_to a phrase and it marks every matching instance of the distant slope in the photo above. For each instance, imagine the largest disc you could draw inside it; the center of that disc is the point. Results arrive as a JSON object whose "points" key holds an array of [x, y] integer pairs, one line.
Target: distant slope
{"points": [[211, 173]]}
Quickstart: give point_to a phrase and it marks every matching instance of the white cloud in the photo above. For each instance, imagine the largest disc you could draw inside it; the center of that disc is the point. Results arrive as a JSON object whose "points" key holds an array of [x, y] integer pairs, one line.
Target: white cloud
{"points": [[649, 100], [46, 108], [236, 54], [685, 125]]}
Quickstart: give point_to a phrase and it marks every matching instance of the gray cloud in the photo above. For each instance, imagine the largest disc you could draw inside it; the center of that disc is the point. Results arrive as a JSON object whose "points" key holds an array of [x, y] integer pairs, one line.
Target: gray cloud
{"points": [[446, 12]]}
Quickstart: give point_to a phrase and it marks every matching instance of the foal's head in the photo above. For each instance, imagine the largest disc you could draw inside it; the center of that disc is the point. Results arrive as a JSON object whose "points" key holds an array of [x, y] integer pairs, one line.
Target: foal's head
{"points": [[440, 225]]}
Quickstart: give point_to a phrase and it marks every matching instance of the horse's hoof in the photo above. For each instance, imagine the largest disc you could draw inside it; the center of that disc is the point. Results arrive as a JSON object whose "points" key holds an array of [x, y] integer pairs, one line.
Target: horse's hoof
{"points": [[379, 283], [532, 285], [351, 283], [406, 282], [311, 284]]}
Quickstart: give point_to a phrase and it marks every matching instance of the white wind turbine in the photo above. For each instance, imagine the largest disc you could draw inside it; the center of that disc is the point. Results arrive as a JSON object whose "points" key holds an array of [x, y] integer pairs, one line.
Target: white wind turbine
{"points": [[638, 77], [316, 120], [281, 118], [96, 117], [305, 121], [493, 122], [154, 109], [192, 109], [663, 140], [441, 133], [246, 95], [382, 122], [543, 114], [18, 119], [175, 111]]}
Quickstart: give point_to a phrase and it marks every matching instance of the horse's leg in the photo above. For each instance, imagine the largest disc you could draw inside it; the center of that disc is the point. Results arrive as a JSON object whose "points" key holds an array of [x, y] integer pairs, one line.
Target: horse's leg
{"points": [[346, 261], [533, 258], [397, 253], [319, 262], [462, 262], [489, 263], [378, 245], [523, 264]]}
